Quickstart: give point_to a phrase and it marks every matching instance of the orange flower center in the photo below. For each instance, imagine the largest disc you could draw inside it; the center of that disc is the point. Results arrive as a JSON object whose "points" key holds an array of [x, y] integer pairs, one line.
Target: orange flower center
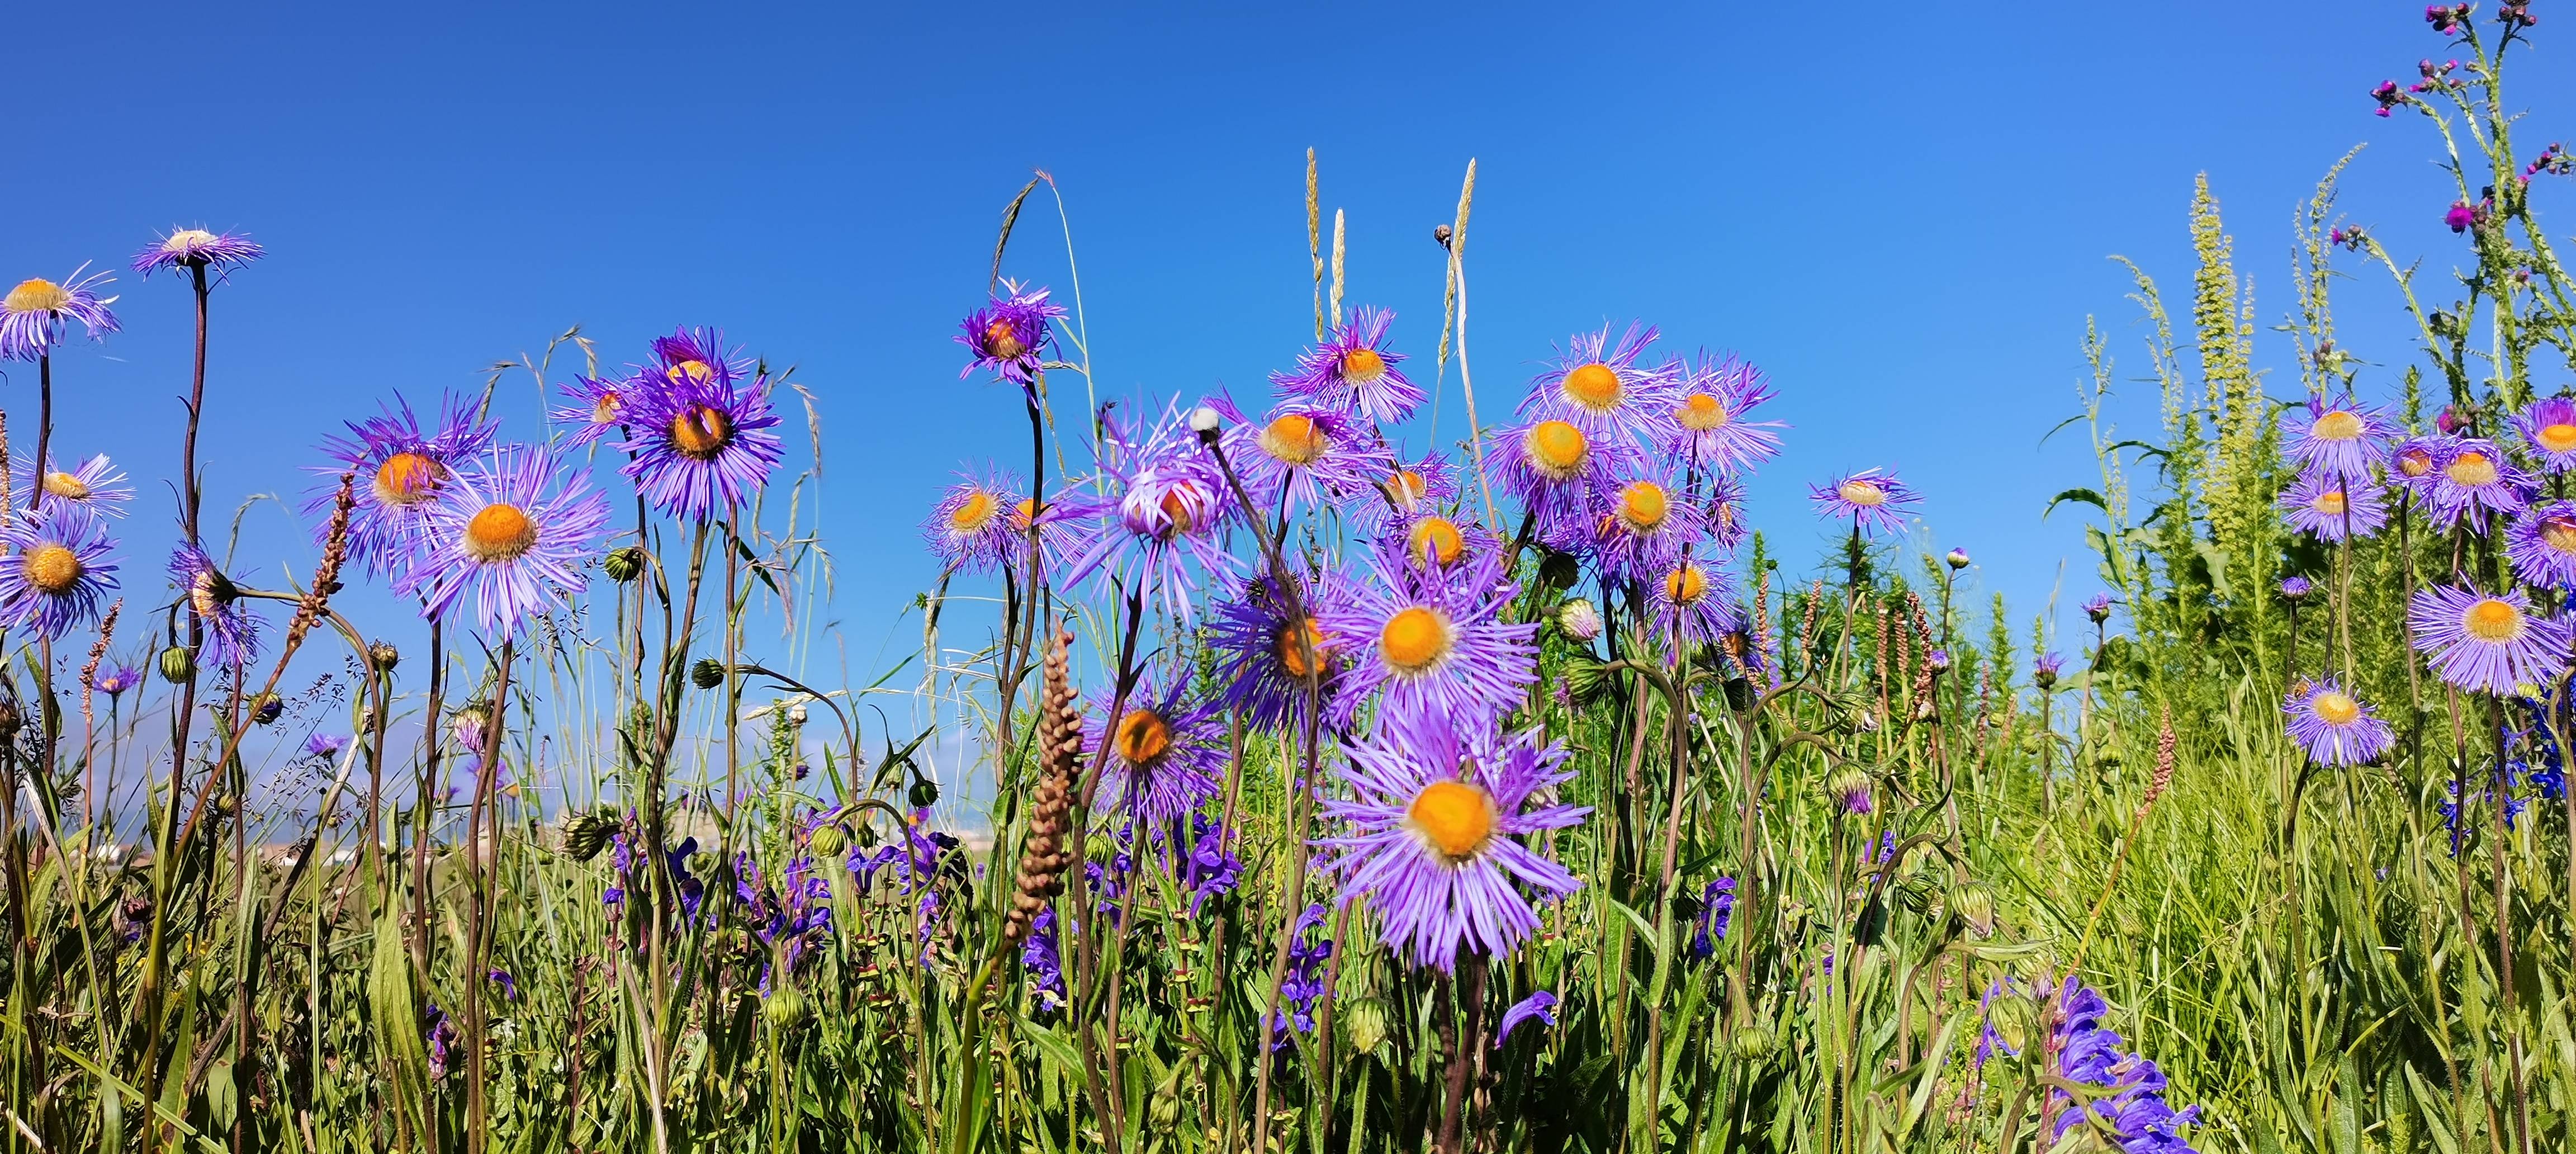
{"points": [[499, 532], [1435, 539], [604, 410], [1405, 489], [1455, 817], [973, 513], [407, 479], [2558, 531], [1002, 341], [1866, 494], [2556, 438], [2493, 620], [2336, 707], [1177, 508], [37, 295], [52, 568], [1025, 513], [1362, 366], [2471, 468], [67, 486], [1593, 386], [1700, 413], [2339, 425], [694, 370], [1143, 737], [1414, 640], [2331, 502], [2414, 462], [1686, 585], [702, 432], [1556, 448], [1295, 642], [1644, 505], [1294, 438]]}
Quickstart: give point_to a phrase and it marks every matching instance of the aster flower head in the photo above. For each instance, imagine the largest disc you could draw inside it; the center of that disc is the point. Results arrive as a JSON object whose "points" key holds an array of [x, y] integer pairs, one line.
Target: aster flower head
{"points": [[402, 465], [1722, 515], [1646, 526], [1407, 490], [54, 568], [1262, 660], [116, 679], [1435, 640], [1009, 335], [325, 746], [1562, 476], [1301, 454], [2541, 544], [1163, 755], [2097, 608], [2332, 506], [2488, 643], [2548, 428], [32, 314], [1873, 500], [2044, 670], [598, 408], [980, 524], [515, 529], [1431, 542], [2474, 479], [2415, 464], [228, 628], [1691, 608], [95, 484], [1159, 514], [2342, 439], [2295, 588], [194, 248], [1354, 371], [2334, 727], [1433, 818], [1709, 425], [1599, 385], [702, 441]]}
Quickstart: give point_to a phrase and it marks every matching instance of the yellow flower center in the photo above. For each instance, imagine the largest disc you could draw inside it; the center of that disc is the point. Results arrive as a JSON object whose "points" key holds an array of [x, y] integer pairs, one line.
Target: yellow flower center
{"points": [[209, 593], [52, 568], [2339, 425], [1455, 817], [1293, 648], [2556, 438], [1556, 448], [67, 486], [2493, 620], [2414, 462], [1143, 737], [500, 532], [1025, 513], [2472, 469], [37, 295], [1701, 412], [1866, 494], [1362, 366], [186, 239], [2335, 707], [702, 432], [1414, 639], [973, 513], [1294, 438], [2558, 531], [2331, 502], [1644, 505], [1435, 539], [1405, 489], [1177, 508], [604, 410], [407, 479], [1002, 341], [1686, 585], [1593, 386], [694, 370]]}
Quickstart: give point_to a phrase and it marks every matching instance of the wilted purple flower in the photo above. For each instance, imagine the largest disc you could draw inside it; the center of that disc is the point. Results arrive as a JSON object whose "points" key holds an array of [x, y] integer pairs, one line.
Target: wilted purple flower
{"points": [[2541, 544], [230, 629], [1540, 1007], [95, 484], [32, 314], [1354, 370], [1874, 501], [2333, 506], [2343, 439], [187, 248], [1009, 335], [54, 568], [2488, 643], [1160, 509]]}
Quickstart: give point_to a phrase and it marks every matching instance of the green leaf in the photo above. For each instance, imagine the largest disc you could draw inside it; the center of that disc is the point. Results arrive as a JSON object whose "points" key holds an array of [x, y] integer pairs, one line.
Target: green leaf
{"points": [[2080, 496]]}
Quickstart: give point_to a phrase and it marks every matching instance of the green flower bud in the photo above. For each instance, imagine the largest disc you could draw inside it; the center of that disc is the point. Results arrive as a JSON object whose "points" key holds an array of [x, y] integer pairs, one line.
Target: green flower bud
{"points": [[785, 1009], [384, 656], [624, 563], [177, 664], [1974, 904], [707, 673], [925, 793], [1752, 1042], [830, 839], [1366, 1021]]}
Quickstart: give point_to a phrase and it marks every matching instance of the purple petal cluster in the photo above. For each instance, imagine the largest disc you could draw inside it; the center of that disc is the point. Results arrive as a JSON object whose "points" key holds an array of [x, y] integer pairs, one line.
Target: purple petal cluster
{"points": [[194, 248], [2334, 727], [1009, 335], [1353, 370], [2129, 1106], [514, 529], [33, 314], [1434, 641], [55, 566]]}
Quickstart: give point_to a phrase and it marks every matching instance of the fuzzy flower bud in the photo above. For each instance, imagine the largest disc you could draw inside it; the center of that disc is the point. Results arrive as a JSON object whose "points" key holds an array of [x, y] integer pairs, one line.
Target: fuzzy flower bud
{"points": [[1958, 558], [1579, 619]]}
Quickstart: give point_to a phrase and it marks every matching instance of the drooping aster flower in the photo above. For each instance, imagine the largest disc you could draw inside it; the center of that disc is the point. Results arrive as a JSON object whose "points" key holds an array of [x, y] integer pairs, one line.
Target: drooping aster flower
{"points": [[1161, 512], [1709, 425], [2334, 727], [1009, 335], [2474, 479], [401, 466], [1434, 820], [2415, 464], [32, 314], [54, 568], [229, 630], [191, 248], [95, 484], [2548, 427], [1873, 500], [1434, 640], [701, 436], [2332, 506], [1597, 385], [1354, 370], [2343, 439], [516, 530], [1163, 757], [1539, 1007], [2488, 643], [1262, 662], [1429, 485], [2541, 544]]}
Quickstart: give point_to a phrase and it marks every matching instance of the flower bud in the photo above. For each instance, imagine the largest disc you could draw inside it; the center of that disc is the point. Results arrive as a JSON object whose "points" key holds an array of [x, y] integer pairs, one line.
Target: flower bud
{"points": [[1958, 558], [1919, 894], [1974, 905], [177, 664], [383, 656], [1849, 787], [266, 709], [1365, 1019], [1752, 1042], [624, 563], [924, 793], [830, 839], [796, 714], [11, 721], [1579, 619], [785, 1008], [707, 673]]}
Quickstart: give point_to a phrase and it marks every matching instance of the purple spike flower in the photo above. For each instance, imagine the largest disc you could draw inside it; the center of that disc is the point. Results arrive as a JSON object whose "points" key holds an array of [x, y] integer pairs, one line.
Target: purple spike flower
{"points": [[32, 314], [1436, 641], [1045, 965], [2473, 479], [1009, 335], [1539, 1007], [1354, 370], [701, 434], [2541, 544], [2343, 439], [516, 530], [401, 466], [1709, 428], [2334, 727], [1598, 386], [1306, 980], [1165, 753], [2488, 643], [1434, 819], [1716, 911], [54, 568], [190, 248], [230, 629], [2131, 1111], [2331, 506]]}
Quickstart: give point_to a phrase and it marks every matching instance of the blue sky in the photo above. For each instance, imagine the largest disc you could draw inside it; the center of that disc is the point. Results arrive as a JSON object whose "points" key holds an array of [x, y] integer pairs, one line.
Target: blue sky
{"points": [[1899, 210]]}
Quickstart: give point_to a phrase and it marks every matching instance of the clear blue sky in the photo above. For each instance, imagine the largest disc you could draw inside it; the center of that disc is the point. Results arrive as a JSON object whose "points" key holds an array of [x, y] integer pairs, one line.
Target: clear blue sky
{"points": [[1900, 210]]}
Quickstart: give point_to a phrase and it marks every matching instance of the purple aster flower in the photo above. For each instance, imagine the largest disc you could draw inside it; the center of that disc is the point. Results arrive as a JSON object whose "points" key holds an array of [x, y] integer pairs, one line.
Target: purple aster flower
{"points": [[2541, 543], [2474, 479], [599, 407], [2549, 428], [230, 629], [2488, 643], [1009, 335], [1165, 755], [1645, 528], [2333, 726], [2331, 506], [1691, 608], [1722, 517], [1160, 510], [1598, 385], [515, 529], [401, 466], [1429, 542], [2343, 439], [1411, 490], [701, 437], [1539, 1007], [1561, 475], [1435, 641], [1709, 428], [2295, 588], [2097, 608], [2415, 464], [32, 314], [325, 746], [1354, 370], [1716, 912], [1045, 965], [2131, 1110], [1262, 663], [95, 484], [193, 248], [1939, 660], [980, 525], [117, 679], [1434, 819], [2044, 671], [54, 567], [1301, 454], [1305, 983], [1873, 500]]}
